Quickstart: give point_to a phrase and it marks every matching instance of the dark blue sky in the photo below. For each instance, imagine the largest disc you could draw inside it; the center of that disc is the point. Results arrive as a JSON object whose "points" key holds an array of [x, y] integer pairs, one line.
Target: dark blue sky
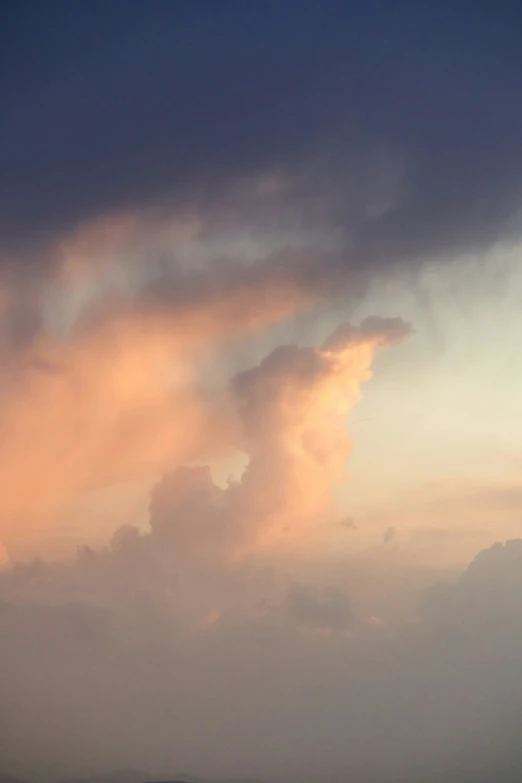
{"points": [[110, 105]]}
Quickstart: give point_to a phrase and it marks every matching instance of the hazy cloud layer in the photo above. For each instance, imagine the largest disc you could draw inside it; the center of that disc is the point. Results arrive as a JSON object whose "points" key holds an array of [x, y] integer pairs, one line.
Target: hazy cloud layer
{"points": [[126, 674]]}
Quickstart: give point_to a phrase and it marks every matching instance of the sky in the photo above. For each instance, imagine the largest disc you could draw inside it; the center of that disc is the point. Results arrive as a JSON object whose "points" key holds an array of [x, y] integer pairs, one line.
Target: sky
{"points": [[260, 411]]}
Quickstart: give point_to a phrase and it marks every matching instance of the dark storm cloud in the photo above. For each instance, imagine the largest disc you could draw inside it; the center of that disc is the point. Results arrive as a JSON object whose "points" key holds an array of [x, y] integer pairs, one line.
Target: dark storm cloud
{"points": [[401, 123]]}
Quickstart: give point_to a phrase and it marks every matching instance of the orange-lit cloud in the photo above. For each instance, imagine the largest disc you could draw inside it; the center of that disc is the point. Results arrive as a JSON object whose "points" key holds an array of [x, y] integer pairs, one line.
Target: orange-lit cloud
{"points": [[118, 396], [292, 410], [107, 413], [118, 399]]}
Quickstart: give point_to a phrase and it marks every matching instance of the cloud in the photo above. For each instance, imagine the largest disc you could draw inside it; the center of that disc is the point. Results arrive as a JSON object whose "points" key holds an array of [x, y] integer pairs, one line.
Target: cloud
{"points": [[189, 515], [200, 583], [100, 410], [174, 179], [120, 400], [405, 147], [119, 397], [410, 701], [379, 331], [107, 412], [293, 406], [291, 411], [319, 608], [490, 585]]}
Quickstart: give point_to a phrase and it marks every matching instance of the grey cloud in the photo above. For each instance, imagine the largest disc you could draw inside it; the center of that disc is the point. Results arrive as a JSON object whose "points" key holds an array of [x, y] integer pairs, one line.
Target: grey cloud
{"points": [[403, 140], [384, 331], [319, 608]]}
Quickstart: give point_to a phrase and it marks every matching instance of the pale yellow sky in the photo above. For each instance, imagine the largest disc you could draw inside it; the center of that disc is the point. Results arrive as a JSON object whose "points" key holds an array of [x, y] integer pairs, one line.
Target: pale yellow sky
{"points": [[437, 435]]}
